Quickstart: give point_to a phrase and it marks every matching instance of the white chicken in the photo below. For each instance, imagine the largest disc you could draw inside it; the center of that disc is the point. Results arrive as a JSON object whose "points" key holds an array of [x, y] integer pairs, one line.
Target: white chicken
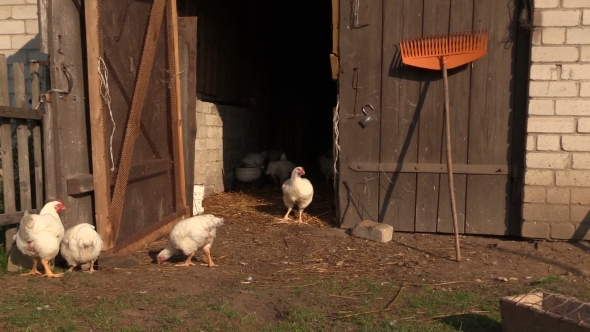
{"points": [[327, 166], [255, 159], [297, 191], [39, 236], [80, 245], [189, 235], [280, 170]]}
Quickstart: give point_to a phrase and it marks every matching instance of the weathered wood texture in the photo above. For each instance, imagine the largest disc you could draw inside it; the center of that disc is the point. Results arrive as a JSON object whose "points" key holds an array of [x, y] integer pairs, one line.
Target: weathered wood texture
{"points": [[67, 68], [408, 132], [360, 78], [25, 189], [144, 82], [187, 35]]}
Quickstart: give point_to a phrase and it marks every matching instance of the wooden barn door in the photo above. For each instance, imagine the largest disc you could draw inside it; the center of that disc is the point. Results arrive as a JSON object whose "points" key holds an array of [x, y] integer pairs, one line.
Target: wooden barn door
{"points": [[394, 170], [135, 117]]}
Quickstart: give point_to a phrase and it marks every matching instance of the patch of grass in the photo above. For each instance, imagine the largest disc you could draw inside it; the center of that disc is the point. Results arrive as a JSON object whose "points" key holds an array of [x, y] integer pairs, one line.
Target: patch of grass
{"points": [[547, 280]]}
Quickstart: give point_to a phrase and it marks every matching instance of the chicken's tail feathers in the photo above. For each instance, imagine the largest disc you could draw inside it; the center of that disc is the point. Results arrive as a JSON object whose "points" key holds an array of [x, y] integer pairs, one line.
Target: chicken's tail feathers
{"points": [[213, 222], [87, 236], [26, 220]]}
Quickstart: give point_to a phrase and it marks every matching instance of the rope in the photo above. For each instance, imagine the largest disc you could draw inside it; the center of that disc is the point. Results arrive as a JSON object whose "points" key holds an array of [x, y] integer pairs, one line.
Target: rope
{"points": [[335, 121], [106, 96]]}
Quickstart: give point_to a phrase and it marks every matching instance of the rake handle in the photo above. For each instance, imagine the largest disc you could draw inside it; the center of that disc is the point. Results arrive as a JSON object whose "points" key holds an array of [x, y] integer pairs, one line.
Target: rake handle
{"points": [[450, 158]]}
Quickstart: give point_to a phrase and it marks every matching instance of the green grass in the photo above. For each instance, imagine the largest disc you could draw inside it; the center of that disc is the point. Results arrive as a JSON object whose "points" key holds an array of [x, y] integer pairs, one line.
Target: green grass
{"points": [[309, 306]]}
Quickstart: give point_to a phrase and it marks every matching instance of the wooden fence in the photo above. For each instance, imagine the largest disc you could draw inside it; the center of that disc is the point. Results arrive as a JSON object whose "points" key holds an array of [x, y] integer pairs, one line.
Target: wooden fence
{"points": [[21, 145]]}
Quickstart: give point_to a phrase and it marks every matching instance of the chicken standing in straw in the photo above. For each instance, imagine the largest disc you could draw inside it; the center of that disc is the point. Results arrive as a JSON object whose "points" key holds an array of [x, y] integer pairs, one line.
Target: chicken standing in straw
{"points": [[189, 235], [39, 236], [296, 191]]}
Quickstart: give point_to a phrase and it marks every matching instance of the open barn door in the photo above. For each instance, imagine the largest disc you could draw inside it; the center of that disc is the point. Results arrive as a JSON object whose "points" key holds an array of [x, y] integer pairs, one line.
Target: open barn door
{"points": [[134, 95]]}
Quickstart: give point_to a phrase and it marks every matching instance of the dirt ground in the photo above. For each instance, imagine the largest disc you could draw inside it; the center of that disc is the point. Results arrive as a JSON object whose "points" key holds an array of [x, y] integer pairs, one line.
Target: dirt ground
{"points": [[313, 277]]}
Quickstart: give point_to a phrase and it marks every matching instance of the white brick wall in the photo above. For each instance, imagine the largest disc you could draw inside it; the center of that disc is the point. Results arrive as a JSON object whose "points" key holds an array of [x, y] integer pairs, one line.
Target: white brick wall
{"points": [[557, 177], [19, 36], [225, 134]]}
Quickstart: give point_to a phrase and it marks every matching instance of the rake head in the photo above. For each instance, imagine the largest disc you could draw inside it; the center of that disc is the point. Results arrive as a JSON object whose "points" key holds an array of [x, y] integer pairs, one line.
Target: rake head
{"points": [[454, 49]]}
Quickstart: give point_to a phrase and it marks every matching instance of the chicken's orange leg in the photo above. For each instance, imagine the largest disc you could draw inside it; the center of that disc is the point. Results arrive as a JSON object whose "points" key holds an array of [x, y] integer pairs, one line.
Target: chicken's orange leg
{"points": [[48, 272], [187, 262], [208, 252], [34, 269], [300, 220], [91, 267], [286, 217]]}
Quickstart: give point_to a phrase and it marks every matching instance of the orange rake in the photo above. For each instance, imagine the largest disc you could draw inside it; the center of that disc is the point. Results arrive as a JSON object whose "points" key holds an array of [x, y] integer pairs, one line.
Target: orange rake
{"points": [[444, 52]]}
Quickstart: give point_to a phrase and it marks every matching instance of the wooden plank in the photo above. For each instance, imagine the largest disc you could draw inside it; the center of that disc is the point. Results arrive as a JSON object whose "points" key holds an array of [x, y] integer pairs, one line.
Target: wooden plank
{"points": [[42, 8], [153, 232], [176, 109], [334, 66], [402, 104], [21, 113], [459, 91], [49, 153], [132, 127], [6, 144], [17, 260], [13, 218], [97, 125], [37, 148], [359, 192], [22, 138], [7, 166], [71, 140], [335, 27], [487, 196], [430, 131], [84, 183], [430, 168], [80, 184], [187, 34]]}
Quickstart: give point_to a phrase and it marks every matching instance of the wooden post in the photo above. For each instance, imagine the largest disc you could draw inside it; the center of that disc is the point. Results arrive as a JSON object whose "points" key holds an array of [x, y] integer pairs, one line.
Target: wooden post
{"points": [[68, 100], [187, 51], [100, 176]]}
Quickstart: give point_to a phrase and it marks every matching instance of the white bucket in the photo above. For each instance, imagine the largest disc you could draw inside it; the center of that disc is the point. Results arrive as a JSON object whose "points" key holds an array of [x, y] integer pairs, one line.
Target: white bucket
{"points": [[198, 195]]}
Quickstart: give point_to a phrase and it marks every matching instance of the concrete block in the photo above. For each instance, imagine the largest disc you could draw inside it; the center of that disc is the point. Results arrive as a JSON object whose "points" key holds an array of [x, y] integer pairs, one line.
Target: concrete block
{"points": [[572, 107], [549, 142], [558, 195], [553, 36], [562, 231], [553, 89], [581, 161], [575, 143], [554, 54], [535, 229], [581, 196], [541, 106], [572, 178], [545, 212], [539, 177], [557, 18], [546, 3], [547, 160], [580, 213], [550, 125], [534, 194], [373, 231]]}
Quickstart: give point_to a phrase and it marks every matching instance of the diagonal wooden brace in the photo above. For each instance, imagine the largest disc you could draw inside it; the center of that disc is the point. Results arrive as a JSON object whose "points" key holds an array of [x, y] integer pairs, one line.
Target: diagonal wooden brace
{"points": [[132, 130]]}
